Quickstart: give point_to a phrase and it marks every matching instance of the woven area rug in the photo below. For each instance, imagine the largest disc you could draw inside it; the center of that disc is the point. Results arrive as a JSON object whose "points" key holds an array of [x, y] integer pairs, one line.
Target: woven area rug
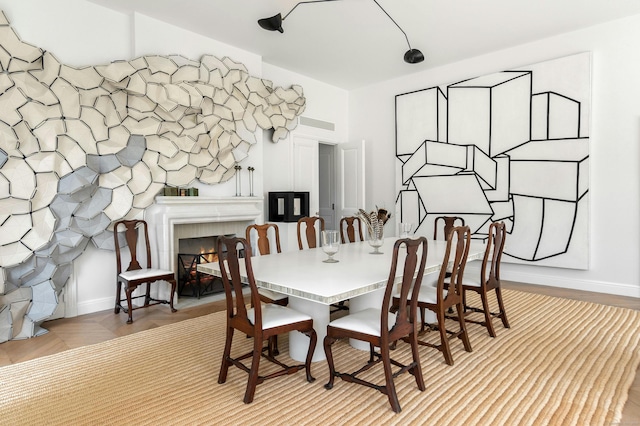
{"points": [[562, 362]]}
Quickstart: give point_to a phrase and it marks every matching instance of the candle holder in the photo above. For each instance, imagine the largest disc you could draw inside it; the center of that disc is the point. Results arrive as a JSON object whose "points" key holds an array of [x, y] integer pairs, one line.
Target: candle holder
{"points": [[238, 181], [251, 170]]}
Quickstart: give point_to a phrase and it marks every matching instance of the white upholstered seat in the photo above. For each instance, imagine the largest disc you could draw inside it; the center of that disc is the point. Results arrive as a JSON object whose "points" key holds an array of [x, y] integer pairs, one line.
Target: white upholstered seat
{"points": [[366, 321], [276, 316]]}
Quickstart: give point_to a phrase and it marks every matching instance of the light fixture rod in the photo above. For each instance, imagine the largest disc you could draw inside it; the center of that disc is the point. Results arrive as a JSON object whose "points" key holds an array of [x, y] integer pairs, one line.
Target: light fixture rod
{"points": [[312, 1], [394, 21]]}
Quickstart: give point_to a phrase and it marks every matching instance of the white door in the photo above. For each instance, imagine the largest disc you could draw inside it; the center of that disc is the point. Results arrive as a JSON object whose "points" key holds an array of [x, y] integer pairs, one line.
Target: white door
{"points": [[351, 172], [305, 170], [327, 185]]}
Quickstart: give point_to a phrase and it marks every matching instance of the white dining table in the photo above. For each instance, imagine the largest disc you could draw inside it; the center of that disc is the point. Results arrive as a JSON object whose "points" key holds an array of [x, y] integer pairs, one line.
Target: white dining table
{"points": [[313, 285]]}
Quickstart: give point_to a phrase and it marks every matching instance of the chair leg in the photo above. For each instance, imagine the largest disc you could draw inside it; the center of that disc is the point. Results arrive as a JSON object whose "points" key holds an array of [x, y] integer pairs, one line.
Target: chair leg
{"points": [[444, 339], [116, 309], [147, 295], [272, 346], [416, 370], [313, 339], [388, 376], [328, 341], [487, 314], [224, 366], [172, 295], [463, 328], [128, 292], [503, 313], [253, 373]]}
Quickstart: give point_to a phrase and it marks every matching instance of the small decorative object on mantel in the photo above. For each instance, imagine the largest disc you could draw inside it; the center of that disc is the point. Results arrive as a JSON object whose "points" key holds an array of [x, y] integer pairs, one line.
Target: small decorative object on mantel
{"points": [[238, 182], [174, 191], [375, 226], [251, 170]]}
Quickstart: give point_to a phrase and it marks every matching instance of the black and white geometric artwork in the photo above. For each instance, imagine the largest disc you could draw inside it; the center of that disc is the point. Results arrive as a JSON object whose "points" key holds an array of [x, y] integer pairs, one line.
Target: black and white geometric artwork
{"points": [[511, 146]]}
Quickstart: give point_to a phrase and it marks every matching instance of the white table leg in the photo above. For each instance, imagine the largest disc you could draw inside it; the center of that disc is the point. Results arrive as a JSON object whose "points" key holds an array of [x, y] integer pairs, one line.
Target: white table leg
{"points": [[298, 342]]}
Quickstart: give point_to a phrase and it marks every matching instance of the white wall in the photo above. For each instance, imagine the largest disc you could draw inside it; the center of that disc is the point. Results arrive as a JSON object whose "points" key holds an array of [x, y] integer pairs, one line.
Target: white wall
{"points": [[614, 154], [79, 33]]}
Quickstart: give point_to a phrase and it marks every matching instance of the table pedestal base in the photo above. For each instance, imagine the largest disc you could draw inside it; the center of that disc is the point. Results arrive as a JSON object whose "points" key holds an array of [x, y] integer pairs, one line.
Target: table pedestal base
{"points": [[298, 342]]}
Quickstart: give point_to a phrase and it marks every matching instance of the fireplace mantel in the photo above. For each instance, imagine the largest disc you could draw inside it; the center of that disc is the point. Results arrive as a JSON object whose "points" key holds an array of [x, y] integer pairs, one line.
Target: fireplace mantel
{"points": [[166, 213]]}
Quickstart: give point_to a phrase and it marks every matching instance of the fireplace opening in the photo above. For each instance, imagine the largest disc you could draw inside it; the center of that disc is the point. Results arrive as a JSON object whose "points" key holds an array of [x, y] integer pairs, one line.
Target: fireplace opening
{"points": [[191, 253]]}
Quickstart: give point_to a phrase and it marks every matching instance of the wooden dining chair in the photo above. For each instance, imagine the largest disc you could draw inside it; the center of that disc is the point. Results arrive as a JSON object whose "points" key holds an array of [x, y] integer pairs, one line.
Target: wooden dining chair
{"points": [[265, 246], [260, 235], [489, 279], [448, 223], [135, 274], [447, 293], [307, 231], [260, 322], [380, 327], [351, 229]]}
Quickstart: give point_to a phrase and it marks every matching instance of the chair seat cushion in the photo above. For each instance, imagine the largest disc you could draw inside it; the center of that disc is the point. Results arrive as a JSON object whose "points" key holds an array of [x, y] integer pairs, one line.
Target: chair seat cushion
{"points": [[139, 274], [273, 295], [429, 294], [276, 315], [366, 321], [471, 282]]}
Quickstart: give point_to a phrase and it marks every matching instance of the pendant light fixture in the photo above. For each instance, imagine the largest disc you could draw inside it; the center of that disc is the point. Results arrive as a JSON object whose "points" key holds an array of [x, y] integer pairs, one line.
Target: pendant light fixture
{"points": [[274, 23]]}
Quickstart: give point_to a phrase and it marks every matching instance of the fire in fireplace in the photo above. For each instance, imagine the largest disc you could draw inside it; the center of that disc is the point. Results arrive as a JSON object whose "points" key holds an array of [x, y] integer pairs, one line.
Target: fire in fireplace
{"points": [[192, 252]]}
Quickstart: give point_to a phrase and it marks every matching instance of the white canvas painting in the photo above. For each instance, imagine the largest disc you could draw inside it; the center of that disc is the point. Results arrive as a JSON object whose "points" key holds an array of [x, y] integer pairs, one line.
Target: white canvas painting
{"points": [[512, 146]]}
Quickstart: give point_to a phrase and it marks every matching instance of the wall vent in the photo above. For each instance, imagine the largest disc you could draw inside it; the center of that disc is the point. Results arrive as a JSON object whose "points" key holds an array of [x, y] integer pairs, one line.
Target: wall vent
{"points": [[312, 122]]}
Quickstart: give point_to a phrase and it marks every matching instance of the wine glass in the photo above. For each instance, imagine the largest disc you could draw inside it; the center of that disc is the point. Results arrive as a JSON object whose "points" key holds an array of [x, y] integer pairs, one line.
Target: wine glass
{"points": [[330, 245], [404, 229]]}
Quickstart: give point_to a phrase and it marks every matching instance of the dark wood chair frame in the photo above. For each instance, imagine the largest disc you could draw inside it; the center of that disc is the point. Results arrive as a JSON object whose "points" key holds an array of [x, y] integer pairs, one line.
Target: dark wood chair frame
{"points": [[405, 326], [132, 234], [489, 280], [348, 227], [238, 319], [453, 297], [311, 236], [449, 224], [264, 248]]}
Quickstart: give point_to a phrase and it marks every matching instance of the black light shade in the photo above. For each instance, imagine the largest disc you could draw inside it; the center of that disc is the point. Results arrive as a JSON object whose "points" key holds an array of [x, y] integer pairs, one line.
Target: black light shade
{"points": [[413, 56], [272, 24]]}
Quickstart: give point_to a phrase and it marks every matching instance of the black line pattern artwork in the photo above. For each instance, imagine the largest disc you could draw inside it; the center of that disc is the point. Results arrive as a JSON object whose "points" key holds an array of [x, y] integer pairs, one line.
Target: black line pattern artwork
{"points": [[509, 146]]}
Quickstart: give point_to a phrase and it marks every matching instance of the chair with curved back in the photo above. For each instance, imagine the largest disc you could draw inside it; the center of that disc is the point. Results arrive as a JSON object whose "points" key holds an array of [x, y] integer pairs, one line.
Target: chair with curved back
{"points": [[380, 327], [265, 246], [449, 223], [135, 274], [307, 231], [447, 293], [260, 322], [489, 280], [351, 229]]}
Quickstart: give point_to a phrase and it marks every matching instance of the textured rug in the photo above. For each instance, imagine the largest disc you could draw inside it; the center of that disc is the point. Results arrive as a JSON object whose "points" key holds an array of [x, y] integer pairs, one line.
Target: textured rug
{"points": [[562, 362]]}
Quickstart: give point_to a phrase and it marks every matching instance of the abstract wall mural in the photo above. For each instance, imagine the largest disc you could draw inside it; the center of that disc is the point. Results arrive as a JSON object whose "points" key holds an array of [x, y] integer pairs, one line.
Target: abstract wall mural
{"points": [[511, 146], [81, 148]]}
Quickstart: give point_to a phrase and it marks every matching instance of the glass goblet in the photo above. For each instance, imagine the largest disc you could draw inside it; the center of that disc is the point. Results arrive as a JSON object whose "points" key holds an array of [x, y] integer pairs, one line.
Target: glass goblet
{"points": [[330, 245], [376, 240]]}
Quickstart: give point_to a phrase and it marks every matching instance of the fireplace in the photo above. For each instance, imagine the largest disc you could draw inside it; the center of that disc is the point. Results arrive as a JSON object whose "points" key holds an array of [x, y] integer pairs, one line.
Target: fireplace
{"points": [[172, 219], [191, 253]]}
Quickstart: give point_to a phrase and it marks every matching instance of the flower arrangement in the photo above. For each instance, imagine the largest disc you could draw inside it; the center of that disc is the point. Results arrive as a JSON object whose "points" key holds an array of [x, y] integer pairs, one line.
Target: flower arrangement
{"points": [[374, 221]]}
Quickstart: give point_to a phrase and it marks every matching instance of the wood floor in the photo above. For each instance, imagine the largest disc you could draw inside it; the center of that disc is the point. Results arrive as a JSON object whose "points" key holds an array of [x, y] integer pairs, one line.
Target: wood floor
{"points": [[68, 333]]}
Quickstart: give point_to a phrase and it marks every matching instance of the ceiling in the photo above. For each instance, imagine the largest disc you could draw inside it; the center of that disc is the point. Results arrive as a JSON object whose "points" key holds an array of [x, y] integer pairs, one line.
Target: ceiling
{"points": [[352, 43]]}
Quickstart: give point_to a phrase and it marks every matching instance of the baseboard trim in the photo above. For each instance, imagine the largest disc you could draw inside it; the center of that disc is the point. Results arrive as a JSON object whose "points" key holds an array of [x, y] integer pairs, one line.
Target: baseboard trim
{"points": [[618, 289], [95, 305]]}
